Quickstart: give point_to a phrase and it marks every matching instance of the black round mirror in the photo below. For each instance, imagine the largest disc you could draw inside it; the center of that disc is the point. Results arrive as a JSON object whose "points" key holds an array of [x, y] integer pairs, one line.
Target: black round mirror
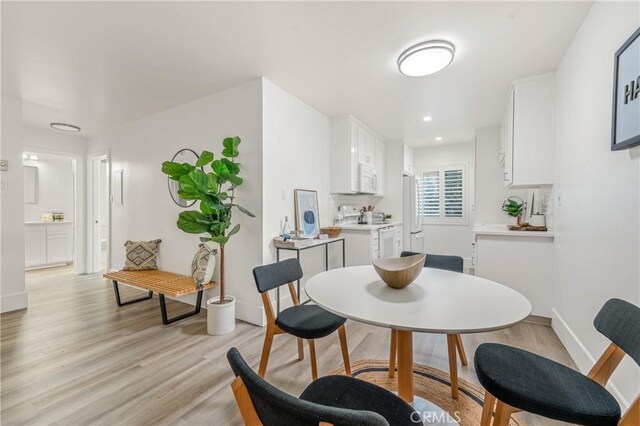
{"points": [[183, 156]]}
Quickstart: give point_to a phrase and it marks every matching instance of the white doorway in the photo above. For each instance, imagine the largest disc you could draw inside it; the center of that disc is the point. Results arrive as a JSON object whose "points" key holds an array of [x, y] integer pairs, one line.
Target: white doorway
{"points": [[50, 213], [99, 213]]}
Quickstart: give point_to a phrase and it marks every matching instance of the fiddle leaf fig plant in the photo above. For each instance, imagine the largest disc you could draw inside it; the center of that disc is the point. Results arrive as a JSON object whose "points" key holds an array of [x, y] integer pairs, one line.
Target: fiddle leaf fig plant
{"points": [[215, 192]]}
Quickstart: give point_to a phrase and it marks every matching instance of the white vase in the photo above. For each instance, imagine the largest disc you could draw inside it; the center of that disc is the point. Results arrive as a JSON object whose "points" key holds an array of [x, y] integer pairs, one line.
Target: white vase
{"points": [[221, 317]]}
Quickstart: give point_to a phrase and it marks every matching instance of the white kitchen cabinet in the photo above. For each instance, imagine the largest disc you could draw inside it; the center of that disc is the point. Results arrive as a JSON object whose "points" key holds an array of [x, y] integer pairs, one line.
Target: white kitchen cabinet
{"points": [[526, 134], [380, 167], [521, 261], [366, 147], [352, 144], [35, 243], [48, 244], [407, 160]]}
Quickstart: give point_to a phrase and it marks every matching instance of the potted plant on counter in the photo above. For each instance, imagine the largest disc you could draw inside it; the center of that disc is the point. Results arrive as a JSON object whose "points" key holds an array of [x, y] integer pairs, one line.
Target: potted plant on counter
{"points": [[513, 206], [215, 193]]}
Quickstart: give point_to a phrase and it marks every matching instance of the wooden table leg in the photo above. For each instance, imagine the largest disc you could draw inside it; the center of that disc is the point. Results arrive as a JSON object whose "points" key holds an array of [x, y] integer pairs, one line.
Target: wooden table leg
{"points": [[405, 365], [453, 364]]}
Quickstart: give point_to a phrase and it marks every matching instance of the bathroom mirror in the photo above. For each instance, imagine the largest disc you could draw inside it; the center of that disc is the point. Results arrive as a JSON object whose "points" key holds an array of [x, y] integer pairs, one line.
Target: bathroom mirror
{"points": [[183, 156], [30, 184]]}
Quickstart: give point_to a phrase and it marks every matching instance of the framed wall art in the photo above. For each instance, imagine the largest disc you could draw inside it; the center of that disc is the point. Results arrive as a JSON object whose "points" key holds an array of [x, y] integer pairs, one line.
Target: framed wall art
{"points": [[625, 124], [306, 209]]}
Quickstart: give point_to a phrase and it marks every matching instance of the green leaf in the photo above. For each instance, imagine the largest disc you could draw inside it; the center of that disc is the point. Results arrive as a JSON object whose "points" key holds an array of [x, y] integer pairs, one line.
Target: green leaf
{"points": [[193, 222], [205, 158], [235, 180], [230, 146], [176, 170], [233, 231], [186, 195], [220, 239], [233, 168], [194, 183], [205, 239], [212, 182], [220, 169], [245, 211]]}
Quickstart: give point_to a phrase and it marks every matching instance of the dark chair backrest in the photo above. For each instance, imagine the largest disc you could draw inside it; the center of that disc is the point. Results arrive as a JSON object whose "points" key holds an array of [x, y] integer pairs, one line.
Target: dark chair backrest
{"points": [[619, 321], [439, 261], [268, 277], [275, 407]]}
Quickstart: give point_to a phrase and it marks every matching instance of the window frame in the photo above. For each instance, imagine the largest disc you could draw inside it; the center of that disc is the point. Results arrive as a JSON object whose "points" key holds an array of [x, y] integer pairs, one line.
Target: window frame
{"points": [[442, 220]]}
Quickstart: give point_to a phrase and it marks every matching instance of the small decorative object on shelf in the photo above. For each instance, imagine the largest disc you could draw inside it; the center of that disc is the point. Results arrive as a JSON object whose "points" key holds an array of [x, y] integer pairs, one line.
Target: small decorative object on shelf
{"points": [[514, 206], [331, 231], [292, 242]]}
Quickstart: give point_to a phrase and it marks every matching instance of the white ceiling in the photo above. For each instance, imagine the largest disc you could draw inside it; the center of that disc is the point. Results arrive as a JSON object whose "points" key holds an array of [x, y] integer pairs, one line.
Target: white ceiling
{"points": [[100, 65]]}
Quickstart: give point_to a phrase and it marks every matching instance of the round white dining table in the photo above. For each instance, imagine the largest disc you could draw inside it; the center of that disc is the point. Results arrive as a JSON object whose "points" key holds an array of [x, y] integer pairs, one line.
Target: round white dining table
{"points": [[438, 301]]}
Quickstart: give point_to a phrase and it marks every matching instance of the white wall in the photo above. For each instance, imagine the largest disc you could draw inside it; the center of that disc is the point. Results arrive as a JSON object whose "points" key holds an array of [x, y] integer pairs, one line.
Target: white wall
{"points": [[148, 212], [55, 187], [13, 294], [392, 202], [597, 230], [490, 189], [297, 140], [449, 239]]}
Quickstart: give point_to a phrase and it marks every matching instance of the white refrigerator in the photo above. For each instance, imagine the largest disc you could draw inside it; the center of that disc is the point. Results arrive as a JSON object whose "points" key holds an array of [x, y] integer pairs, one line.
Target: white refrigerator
{"points": [[412, 227]]}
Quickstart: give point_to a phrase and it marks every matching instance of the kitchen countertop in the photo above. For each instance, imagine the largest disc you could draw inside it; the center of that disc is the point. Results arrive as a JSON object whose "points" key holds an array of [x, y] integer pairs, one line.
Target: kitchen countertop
{"points": [[502, 230], [40, 222], [372, 227]]}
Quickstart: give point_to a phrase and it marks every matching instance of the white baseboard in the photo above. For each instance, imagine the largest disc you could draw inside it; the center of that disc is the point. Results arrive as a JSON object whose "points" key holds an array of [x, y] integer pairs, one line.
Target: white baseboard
{"points": [[13, 302], [250, 313], [581, 356]]}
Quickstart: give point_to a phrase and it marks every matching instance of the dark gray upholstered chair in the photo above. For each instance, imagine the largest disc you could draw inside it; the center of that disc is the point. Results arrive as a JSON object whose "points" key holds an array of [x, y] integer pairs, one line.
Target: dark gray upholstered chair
{"points": [[303, 321], [338, 400], [454, 341], [517, 380]]}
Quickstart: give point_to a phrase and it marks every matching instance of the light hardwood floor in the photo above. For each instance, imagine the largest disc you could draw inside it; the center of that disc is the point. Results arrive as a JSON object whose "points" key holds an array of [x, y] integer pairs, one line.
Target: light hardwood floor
{"points": [[74, 358]]}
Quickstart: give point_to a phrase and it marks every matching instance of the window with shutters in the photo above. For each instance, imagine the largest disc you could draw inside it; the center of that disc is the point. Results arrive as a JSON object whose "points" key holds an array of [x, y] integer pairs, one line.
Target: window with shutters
{"points": [[442, 195]]}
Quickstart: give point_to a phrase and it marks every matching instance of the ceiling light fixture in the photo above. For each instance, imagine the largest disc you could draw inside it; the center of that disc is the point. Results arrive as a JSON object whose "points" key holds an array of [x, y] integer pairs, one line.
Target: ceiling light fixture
{"points": [[426, 58], [427, 118], [33, 157], [65, 127], [438, 138]]}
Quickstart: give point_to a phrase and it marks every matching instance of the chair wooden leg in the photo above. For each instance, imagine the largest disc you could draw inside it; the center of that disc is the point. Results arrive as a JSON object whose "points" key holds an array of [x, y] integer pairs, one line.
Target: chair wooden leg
{"points": [[266, 350], [487, 409], [463, 356], [453, 364], [342, 334], [393, 353], [503, 414], [312, 355], [247, 410], [300, 349], [632, 416]]}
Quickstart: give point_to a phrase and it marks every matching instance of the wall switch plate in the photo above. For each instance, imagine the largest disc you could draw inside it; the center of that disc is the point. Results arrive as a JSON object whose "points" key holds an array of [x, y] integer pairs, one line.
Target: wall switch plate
{"points": [[284, 195], [4, 165]]}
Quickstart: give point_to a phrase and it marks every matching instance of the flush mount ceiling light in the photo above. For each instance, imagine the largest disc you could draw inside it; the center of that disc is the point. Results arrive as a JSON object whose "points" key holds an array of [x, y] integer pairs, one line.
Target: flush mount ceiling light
{"points": [[426, 58], [438, 138], [427, 118], [65, 127]]}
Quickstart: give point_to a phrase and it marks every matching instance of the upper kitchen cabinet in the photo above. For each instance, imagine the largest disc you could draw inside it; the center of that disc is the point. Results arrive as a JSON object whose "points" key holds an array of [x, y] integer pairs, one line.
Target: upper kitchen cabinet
{"points": [[353, 144], [380, 167], [526, 134], [367, 142], [407, 160]]}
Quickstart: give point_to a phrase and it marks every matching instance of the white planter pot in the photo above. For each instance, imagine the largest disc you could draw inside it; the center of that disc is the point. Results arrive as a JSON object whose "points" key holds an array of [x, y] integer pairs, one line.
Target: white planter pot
{"points": [[221, 318], [513, 220]]}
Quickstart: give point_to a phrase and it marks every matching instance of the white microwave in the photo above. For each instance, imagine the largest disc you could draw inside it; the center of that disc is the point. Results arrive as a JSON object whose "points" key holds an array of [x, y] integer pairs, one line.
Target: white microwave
{"points": [[367, 180]]}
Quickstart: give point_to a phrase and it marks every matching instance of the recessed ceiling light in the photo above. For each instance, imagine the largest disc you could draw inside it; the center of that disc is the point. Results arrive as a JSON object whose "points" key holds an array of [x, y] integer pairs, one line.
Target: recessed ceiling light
{"points": [[426, 58], [427, 118], [438, 138], [65, 127], [25, 156]]}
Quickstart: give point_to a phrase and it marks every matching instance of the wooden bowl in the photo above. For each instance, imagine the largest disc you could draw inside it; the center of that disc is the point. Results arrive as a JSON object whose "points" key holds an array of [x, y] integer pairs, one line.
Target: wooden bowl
{"points": [[331, 231], [399, 272]]}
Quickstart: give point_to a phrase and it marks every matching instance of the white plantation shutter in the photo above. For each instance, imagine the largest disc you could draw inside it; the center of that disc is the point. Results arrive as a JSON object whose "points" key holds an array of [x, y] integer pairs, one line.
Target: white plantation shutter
{"points": [[442, 195], [429, 187]]}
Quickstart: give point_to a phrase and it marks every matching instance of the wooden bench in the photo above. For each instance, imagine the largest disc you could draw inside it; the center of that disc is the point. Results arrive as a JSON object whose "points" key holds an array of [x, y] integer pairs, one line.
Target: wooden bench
{"points": [[163, 283]]}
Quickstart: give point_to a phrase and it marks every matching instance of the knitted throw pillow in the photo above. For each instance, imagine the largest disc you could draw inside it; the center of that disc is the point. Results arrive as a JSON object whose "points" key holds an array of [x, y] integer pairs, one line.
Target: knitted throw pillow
{"points": [[203, 265]]}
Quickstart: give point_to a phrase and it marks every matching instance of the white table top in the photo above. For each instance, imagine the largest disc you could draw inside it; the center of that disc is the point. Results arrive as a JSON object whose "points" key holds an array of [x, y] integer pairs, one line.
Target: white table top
{"points": [[437, 301]]}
